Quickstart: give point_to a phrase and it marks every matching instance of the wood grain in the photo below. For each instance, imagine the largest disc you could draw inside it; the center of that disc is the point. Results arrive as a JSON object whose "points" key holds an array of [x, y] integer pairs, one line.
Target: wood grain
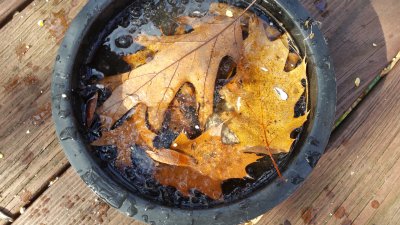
{"points": [[9, 7], [69, 201], [352, 28], [357, 180], [32, 159], [32, 155]]}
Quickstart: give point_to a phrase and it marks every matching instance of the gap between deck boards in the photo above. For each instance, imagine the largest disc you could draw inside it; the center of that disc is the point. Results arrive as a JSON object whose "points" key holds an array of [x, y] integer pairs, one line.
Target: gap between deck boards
{"points": [[9, 7], [329, 31]]}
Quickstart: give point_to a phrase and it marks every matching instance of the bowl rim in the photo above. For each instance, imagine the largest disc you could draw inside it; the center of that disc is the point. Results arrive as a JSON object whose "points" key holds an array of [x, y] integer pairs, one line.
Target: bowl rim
{"points": [[294, 17]]}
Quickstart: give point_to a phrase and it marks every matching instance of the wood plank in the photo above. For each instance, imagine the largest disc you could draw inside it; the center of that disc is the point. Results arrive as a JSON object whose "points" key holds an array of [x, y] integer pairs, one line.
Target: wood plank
{"points": [[9, 7], [69, 201], [32, 155], [350, 36], [351, 29], [357, 180]]}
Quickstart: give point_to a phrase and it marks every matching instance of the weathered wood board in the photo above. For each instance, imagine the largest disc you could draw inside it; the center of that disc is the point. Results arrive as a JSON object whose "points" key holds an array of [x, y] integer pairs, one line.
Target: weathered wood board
{"points": [[357, 180], [363, 37], [9, 7], [31, 153], [69, 201]]}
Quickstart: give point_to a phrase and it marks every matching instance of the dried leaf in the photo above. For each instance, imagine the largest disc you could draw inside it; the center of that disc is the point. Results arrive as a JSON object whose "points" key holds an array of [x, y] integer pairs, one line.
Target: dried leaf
{"points": [[112, 82], [171, 157], [292, 61], [183, 112], [91, 108], [134, 131], [214, 160], [124, 136], [264, 118], [192, 58], [185, 178], [140, 58], [261, 98]]}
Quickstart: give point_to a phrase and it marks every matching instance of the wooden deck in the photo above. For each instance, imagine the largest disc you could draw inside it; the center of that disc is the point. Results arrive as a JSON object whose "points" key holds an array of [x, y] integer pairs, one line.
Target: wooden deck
{"points": [[356, 182]]}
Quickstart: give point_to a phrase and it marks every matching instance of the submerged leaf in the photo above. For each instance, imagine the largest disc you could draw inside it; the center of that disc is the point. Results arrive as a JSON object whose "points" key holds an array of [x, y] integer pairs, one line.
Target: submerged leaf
{"points": [[172, 87], [123, 138], [265, 118], [192, 58], [91, 108], [186, 178], [135, 132], [214, 160]]}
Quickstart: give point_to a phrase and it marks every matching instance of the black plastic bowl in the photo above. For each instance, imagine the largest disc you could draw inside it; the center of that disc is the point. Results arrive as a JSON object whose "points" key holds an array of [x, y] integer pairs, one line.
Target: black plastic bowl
{"points": [[311, 146]]}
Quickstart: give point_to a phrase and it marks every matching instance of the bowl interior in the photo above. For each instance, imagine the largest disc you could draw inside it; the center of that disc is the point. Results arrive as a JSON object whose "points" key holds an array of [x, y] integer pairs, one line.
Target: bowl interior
{"points": [[94, 19]]}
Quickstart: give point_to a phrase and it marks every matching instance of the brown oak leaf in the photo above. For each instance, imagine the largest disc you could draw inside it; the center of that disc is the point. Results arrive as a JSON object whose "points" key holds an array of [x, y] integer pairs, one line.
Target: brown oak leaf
{"points": [[263, 95], [189, 58], [260, 100], [215, 162], [134, 131]]}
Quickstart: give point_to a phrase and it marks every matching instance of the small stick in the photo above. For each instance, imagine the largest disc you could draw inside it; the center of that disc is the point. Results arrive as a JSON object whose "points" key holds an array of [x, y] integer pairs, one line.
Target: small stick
{"points": [[369, 88]]}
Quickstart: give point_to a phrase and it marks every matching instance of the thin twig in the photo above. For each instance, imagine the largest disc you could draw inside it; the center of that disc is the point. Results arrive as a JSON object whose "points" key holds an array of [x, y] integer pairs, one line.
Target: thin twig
{"points": [[368, 89], [391, 65]]}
